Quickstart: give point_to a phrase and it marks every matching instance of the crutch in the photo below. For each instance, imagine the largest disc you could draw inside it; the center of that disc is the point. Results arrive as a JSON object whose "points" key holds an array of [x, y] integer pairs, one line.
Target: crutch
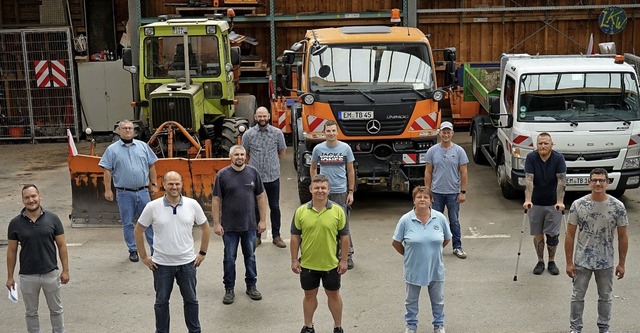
{"points": [[564, 223], [524, 218]]}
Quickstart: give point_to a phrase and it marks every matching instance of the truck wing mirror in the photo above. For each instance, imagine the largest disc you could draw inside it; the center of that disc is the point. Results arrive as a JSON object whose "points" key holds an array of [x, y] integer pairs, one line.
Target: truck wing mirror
{"points": [[450, 54], [286, 76], [235, 56], [288, 57], [498, 119], [127, 61]]}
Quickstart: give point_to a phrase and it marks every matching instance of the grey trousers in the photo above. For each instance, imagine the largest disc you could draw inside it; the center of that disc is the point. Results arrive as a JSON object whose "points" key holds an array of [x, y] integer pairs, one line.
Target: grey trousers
{"points": [[30, 286], [604, 282]]}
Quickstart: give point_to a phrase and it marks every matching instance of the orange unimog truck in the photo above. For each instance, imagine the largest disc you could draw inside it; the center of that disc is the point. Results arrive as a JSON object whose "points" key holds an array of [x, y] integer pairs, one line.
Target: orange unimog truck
{"points": [[378, 84]]}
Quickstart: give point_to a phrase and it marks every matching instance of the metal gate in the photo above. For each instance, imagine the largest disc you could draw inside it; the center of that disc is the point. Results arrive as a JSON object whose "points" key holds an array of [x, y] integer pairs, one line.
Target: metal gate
{"points": [[37, 84]]}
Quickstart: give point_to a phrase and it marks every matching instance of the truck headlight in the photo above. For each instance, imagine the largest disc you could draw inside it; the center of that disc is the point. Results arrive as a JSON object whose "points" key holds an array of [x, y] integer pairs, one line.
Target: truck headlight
{"points": [[307, 158], [631, 163], [632, 159], [519, 157]]}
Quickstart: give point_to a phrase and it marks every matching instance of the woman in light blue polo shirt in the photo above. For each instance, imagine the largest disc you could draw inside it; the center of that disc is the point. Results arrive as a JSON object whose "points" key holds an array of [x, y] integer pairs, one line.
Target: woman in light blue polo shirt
{"points": [[420, 236]]}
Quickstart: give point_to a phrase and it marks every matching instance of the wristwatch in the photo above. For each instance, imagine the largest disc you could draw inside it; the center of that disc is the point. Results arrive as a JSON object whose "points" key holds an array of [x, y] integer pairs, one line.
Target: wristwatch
{"points": [[154, 184], [463, 191], [202, 253]]}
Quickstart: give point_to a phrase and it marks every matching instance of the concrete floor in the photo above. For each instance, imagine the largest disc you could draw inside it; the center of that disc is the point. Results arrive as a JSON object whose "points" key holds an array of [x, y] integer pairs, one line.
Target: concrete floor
{"points": [[107, 293]]}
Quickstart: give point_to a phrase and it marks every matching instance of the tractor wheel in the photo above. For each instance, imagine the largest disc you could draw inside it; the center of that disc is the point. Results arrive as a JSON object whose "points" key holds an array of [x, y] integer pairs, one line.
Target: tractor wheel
{"points": [[303, 191], [230, 133]]}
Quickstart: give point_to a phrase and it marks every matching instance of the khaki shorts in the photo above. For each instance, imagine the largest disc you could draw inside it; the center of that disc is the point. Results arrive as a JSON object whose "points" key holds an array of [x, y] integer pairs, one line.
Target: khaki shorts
{"points": [[544, 220]]}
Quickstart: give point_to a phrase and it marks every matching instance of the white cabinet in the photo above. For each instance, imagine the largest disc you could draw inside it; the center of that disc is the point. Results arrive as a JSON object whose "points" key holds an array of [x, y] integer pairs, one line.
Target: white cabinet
{"points": [[105, 93]]}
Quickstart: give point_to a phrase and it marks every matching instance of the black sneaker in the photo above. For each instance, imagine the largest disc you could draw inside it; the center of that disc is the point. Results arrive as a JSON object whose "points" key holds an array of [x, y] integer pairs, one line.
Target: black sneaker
{"points": [[306, 329], [539, 268], [338, 330], [553, 269], [229, 296], [133, 256], [350, 264], [253, 293]]}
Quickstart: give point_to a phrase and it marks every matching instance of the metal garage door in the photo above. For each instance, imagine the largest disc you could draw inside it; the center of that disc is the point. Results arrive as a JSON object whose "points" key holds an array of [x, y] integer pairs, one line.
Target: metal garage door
{"points": [[37, 84]]}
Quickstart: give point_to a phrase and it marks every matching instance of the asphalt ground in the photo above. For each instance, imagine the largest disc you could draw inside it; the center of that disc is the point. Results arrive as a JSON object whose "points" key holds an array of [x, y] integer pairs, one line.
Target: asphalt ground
{"points": [[107, 293]]}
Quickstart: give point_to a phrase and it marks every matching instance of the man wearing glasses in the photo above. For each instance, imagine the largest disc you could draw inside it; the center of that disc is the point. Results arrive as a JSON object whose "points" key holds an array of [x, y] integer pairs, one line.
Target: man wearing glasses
{"points": [[595, 219], [130, 163]]}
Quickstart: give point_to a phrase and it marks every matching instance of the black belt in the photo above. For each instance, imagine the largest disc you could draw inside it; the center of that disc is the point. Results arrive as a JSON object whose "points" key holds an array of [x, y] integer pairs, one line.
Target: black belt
{"points": [[135, 189]]}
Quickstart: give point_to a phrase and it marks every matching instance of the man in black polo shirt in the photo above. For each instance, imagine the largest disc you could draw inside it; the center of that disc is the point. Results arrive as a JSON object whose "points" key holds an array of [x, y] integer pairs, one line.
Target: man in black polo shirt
{"points": [[38, 232], [545, 173]]}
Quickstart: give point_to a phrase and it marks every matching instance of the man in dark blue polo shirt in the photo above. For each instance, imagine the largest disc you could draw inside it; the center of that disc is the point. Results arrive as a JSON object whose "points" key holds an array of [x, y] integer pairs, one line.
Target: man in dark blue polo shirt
{"points": [[545, 173], [38, 232]]}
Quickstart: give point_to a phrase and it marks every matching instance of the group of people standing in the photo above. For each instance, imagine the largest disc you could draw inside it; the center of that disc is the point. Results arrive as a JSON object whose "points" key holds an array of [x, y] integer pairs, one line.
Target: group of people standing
{"points": [[320, 234]]}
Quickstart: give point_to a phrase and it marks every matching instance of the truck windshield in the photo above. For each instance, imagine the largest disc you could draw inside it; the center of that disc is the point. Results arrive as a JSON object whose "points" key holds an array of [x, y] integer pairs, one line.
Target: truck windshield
{"points": [[164, 57], [367, 66], [578, 97]]}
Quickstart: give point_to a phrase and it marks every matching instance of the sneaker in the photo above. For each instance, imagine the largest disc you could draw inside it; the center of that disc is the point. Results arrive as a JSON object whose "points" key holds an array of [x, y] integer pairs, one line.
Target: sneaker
{"points": [[552, 268], [439, 329], [409, 330], [253, 293], [279, 242], [306, 329], [133, 256], [350, 264], [229, 296], [459, 252], [258, 242], [338, 330], [574, 331], [539, 268]]}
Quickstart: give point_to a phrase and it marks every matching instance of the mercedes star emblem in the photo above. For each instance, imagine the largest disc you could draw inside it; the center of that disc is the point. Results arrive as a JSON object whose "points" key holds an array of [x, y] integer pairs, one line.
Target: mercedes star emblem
{"points": [[373, 126]]}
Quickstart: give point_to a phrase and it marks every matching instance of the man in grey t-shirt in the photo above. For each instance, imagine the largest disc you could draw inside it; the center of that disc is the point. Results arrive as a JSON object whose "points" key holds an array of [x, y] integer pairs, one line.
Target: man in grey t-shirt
{"points": [[446, 176], [335, 159], [596, 217]]}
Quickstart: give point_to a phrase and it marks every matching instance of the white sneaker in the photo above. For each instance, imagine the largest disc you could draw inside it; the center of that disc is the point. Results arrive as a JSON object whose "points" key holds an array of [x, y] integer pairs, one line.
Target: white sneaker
{"points": [[439, 329], [409, 330]]}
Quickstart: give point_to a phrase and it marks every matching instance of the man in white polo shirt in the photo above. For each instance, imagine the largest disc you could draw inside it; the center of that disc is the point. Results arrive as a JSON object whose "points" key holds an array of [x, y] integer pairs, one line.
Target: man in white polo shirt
{"points": [[172, 218]]}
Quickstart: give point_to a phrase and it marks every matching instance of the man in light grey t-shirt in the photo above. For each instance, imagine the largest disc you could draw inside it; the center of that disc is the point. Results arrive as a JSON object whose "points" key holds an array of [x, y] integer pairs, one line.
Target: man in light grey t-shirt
{"points": [[446, 176], [335, 159]]}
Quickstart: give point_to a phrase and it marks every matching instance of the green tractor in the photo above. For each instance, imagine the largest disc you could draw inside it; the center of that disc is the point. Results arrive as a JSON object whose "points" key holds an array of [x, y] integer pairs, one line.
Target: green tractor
{"points": [[186, 79]]}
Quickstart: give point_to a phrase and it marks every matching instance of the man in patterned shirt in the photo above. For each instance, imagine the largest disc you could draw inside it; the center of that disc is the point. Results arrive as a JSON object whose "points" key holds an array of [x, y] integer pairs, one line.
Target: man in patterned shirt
{"points": [[596, 216], [265, 147]]}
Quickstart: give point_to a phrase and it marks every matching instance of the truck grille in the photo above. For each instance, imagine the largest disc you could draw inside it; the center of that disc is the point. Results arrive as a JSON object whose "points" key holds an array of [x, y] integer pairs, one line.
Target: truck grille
{"points": [[392, 119], [359, 127], [607, 155], [171, 108]]}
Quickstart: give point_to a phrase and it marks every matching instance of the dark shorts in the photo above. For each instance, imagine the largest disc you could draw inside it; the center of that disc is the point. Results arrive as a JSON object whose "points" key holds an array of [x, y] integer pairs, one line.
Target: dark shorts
{"points": [[310, 279]]}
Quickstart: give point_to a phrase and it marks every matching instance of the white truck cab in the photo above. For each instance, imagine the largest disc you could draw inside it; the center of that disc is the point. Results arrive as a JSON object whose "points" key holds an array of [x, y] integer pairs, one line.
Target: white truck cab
{"points": [[588, 104]]}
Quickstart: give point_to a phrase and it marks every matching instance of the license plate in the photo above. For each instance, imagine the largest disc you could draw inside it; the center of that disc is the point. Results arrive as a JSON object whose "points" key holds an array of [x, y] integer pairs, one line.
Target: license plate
{"points": [[179, 30], [578, 180], [356, 115]]}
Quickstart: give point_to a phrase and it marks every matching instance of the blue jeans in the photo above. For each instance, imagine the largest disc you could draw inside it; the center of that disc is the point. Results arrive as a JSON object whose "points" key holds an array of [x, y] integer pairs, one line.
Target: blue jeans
{"points": [[604, 282], [247, 241], [440, 201], [185, 276], [436, 295], [272, 190], [131, 205]]}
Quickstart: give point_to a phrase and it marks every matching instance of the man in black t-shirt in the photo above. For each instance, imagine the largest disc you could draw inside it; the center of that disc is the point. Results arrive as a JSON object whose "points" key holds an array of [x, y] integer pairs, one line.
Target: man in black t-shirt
{"points": [[545, 173], [238, 189], [38, 232]]}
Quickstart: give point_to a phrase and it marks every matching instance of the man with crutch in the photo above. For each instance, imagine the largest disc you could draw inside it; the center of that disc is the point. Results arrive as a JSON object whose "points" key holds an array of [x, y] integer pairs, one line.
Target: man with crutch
{"points": [[545, 172], [593, 222]]}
